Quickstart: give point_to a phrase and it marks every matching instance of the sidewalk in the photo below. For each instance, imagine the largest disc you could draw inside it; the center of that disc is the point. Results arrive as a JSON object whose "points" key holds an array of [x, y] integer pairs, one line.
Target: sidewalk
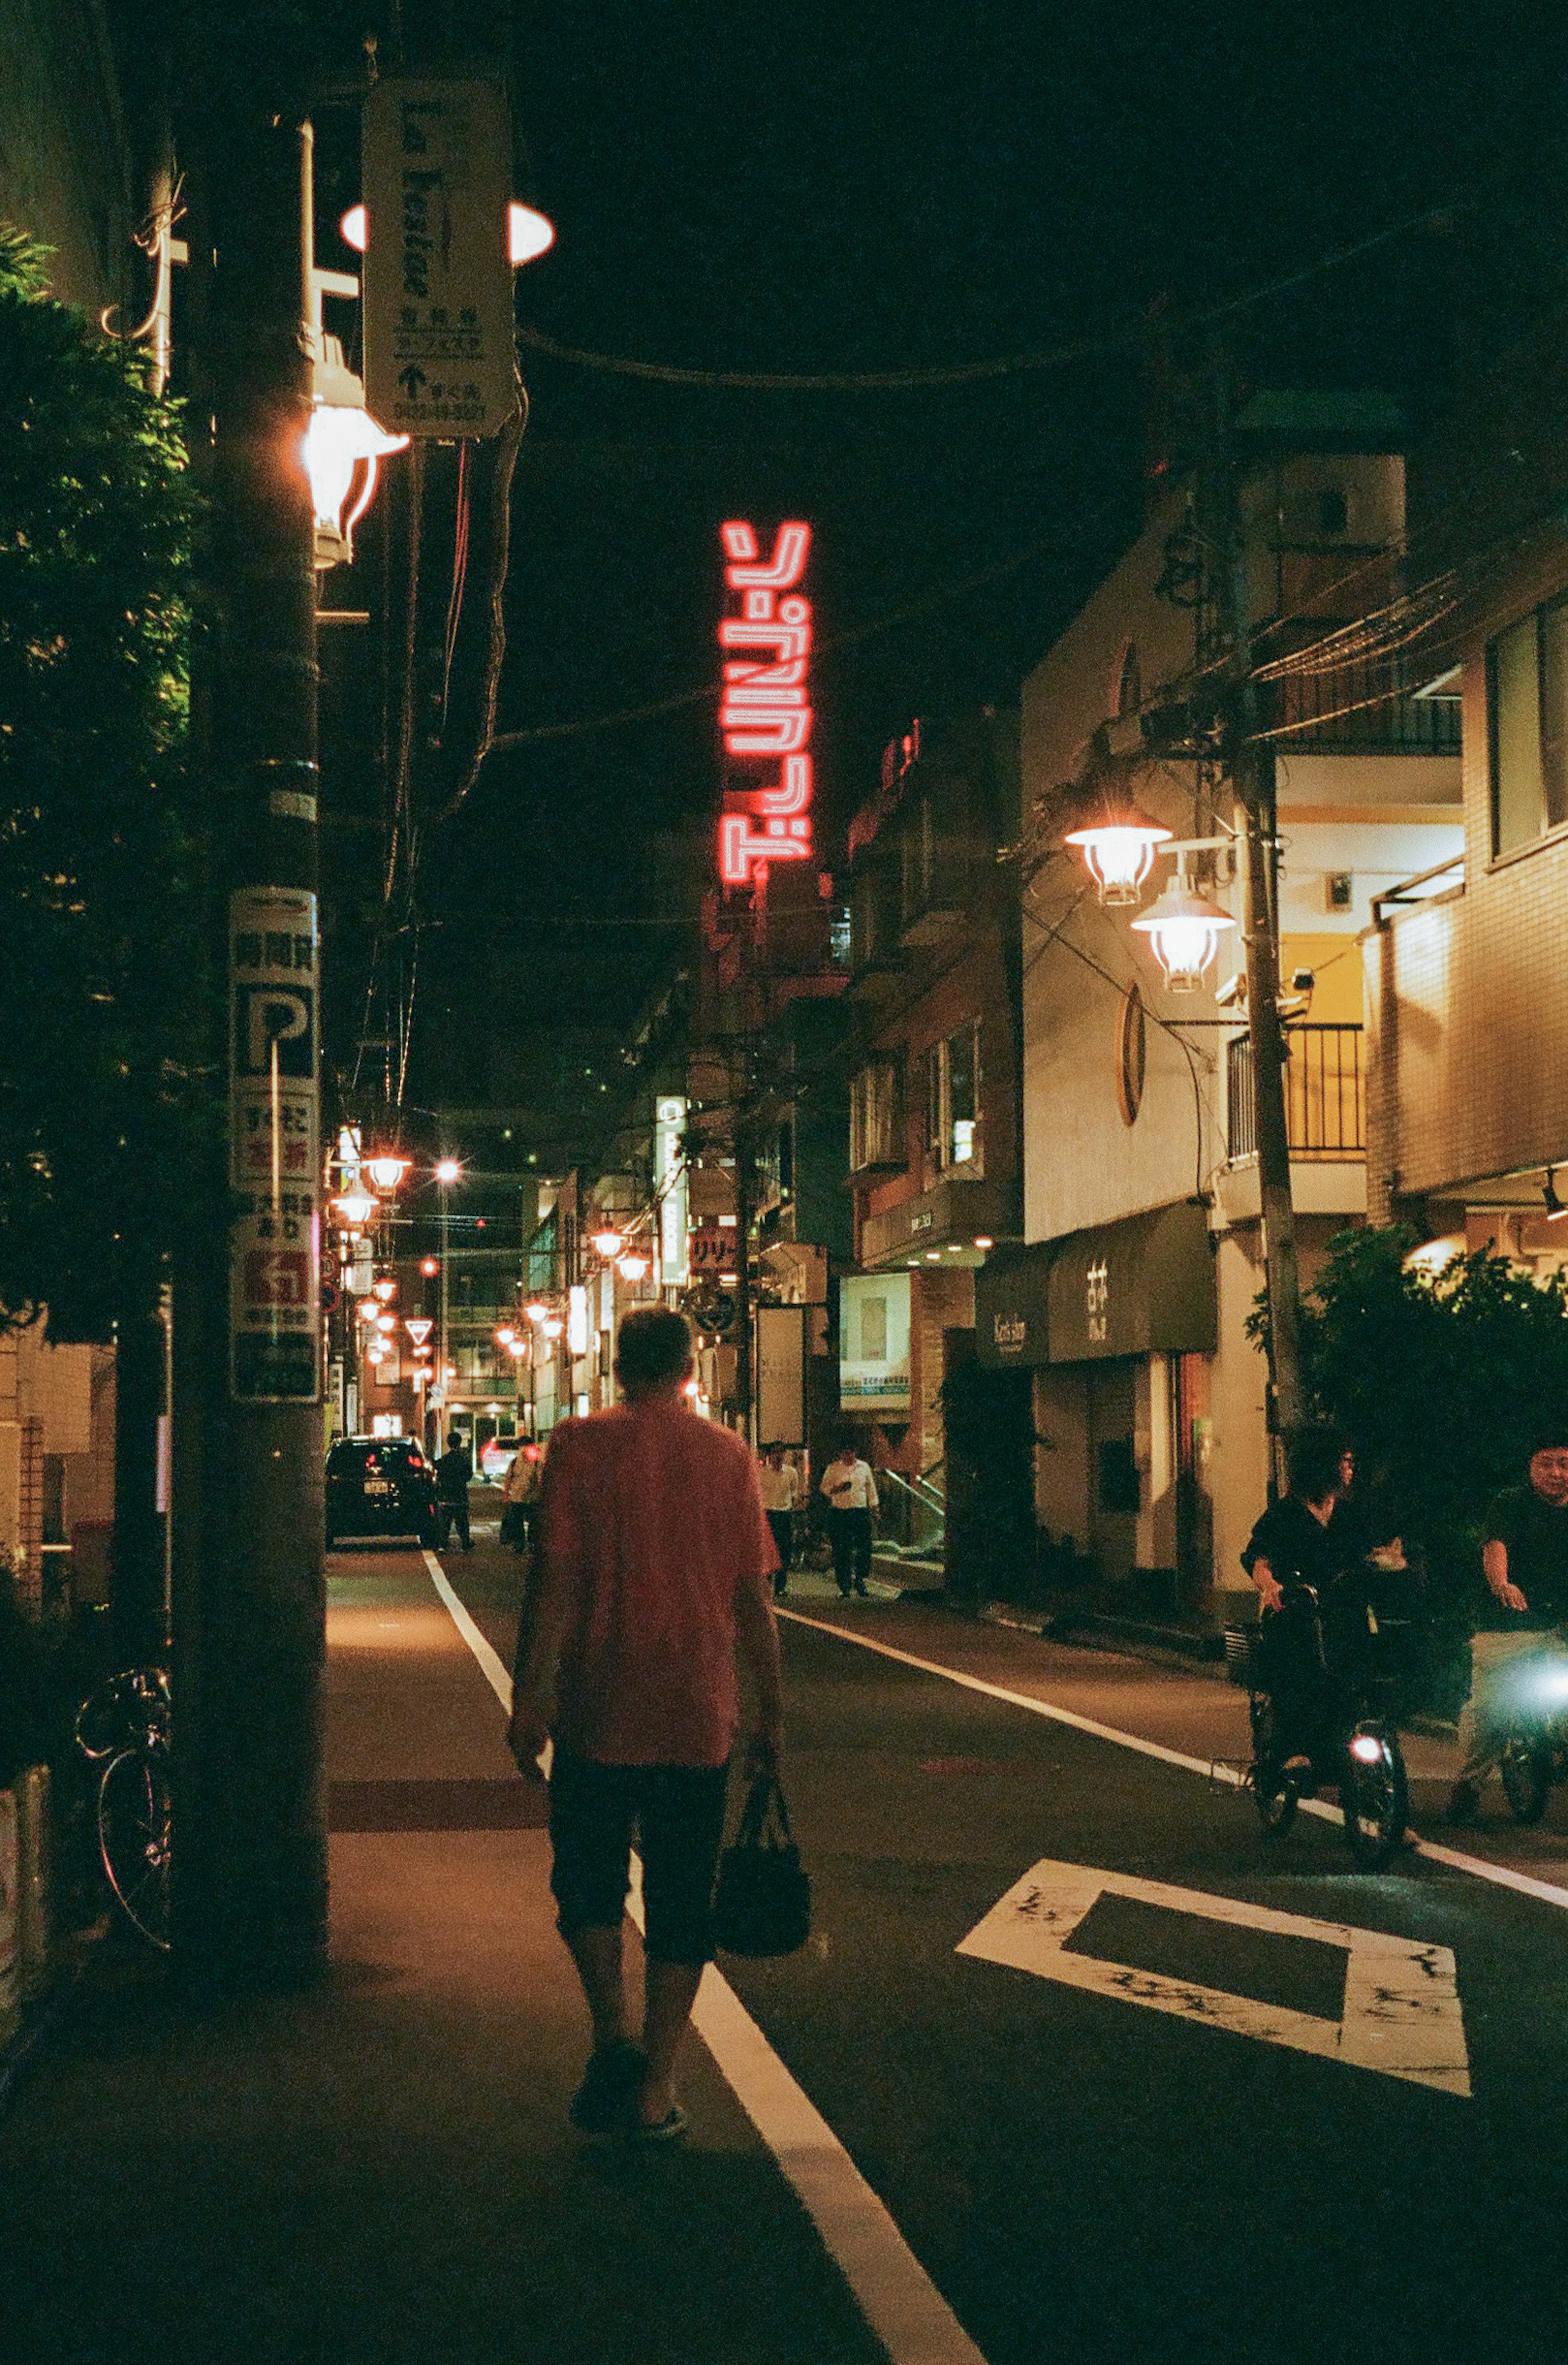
{"points": [[381, 2168]]}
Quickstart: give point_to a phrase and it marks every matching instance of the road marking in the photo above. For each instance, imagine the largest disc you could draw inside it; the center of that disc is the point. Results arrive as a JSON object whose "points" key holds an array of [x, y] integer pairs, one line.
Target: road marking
{"points": [[891, 2288], [1501, 1876], [496, 1674], [1401, 2015]]}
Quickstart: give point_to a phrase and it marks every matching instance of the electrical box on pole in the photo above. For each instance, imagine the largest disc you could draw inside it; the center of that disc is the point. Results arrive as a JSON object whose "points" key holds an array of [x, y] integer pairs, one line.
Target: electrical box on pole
{"points": [[440, 353]]}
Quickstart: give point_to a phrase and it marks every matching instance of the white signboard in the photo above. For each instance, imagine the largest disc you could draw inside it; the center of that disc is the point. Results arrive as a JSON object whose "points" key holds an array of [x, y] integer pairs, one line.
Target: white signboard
{"points": [[439, 341], [873, 1346], [780, 1375], [669, 1186], [275, 1240]]}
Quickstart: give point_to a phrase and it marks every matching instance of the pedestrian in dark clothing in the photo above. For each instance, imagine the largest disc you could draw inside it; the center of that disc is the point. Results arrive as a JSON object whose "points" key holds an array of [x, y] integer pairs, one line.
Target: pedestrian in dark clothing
{"points": [[452, 1471]]}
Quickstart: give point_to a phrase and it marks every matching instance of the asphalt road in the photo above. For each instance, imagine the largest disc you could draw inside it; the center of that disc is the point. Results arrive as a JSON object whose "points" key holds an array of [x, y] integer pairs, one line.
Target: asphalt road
{"points": [[1268, 2118]]}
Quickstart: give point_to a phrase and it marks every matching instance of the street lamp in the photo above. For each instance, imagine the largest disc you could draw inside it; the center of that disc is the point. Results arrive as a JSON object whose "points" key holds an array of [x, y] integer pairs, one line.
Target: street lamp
{"points": [[340, 440], [355, 1208], [632, 1268], [387, 1169], [608, 1243], [447, 1171], [1119, 851], [1184, 931]]}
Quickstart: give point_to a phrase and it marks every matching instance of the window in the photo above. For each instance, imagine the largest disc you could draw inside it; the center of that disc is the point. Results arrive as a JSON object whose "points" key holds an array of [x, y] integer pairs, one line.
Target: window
{"points": [[1528, 705], [953, 1101], [876, 1118]]}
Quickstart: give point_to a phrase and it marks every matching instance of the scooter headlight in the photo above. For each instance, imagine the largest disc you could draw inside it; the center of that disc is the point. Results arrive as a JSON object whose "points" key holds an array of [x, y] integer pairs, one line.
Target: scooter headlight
{"points": [[1366, 1748]]}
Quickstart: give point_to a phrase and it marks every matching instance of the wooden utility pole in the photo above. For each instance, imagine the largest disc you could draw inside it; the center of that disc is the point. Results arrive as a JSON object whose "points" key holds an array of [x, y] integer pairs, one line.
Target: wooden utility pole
{"points": [[249, 1835], [1250, 765]]}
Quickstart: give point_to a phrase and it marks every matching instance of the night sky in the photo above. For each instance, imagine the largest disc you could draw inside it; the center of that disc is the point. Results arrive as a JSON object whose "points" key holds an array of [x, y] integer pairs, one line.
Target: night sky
{"points": [[863, 187]]}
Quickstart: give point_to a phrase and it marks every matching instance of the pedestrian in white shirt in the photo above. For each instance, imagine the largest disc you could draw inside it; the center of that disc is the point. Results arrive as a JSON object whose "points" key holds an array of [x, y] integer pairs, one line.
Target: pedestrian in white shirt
{"points": [[780, 1483], [851, 1493]]}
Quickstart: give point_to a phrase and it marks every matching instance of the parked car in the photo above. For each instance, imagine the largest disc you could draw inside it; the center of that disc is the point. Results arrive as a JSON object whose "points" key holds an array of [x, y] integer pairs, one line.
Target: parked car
{"points": [[496, 1458], [381, 1486]]}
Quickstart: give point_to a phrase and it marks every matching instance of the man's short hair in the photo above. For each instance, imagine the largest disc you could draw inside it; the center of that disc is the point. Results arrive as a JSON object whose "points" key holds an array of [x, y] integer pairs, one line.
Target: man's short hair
{"points": [[1312, 1460], [653, 1345], [1547, 1437]]}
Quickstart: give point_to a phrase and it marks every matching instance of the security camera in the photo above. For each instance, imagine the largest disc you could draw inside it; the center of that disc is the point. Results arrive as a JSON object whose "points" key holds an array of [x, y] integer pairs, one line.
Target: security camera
{"points": [[1302, 981]]}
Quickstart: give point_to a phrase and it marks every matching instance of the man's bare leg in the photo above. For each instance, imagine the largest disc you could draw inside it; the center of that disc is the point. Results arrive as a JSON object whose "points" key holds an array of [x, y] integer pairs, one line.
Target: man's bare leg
{"points": [[597, 1954], [670, 1992]]}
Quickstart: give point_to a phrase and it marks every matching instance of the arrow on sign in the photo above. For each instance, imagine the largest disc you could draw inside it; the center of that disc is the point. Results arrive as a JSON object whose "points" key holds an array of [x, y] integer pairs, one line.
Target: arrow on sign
{"points": [[419, 1328], [1401, 2012], [410, 381]]}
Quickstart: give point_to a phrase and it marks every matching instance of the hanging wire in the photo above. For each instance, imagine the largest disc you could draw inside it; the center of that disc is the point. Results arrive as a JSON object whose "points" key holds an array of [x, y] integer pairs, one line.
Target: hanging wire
{"points": [[1076, 349]]}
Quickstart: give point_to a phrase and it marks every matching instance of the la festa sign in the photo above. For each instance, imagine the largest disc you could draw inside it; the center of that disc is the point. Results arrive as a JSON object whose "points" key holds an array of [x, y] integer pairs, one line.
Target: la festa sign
{"points": [[764, 716]]}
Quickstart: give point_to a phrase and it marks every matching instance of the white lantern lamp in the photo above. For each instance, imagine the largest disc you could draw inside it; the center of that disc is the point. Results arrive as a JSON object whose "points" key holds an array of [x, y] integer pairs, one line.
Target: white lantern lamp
{"points": [[1184, 931], [340, 440], [1118, 851]]}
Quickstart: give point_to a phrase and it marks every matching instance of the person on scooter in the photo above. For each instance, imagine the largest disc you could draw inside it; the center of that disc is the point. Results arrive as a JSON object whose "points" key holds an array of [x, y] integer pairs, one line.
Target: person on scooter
{"points": [[1524, 1560]]}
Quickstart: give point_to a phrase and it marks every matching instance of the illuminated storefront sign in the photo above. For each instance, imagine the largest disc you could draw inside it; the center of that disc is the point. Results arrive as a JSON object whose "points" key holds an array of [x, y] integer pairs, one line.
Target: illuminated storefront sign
{"points": [[764, 717]]}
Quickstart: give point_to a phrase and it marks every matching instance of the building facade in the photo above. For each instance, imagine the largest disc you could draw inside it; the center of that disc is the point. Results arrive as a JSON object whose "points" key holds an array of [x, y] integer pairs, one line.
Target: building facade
{"points": [[1144, 1258]]}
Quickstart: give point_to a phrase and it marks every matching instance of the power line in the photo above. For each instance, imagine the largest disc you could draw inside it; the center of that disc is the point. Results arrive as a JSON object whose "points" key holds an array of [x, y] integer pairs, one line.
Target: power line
{"points": [[1058, 356]]}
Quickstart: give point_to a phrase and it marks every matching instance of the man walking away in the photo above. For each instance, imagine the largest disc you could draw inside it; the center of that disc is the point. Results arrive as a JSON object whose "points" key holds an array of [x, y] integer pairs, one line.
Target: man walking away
{"points": [[780, 1483], [655, 1566], [1525, 1562], [851, 1494], [452, 1471]]}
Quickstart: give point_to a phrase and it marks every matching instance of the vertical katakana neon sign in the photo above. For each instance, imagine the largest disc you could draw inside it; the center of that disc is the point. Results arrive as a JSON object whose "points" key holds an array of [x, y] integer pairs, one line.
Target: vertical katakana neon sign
{"points": [[764, 716]]}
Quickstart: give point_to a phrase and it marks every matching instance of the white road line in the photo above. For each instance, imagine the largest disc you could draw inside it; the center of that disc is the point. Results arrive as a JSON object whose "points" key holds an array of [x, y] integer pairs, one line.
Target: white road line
{"points": [[1501, 1876], [894, 2294], [495, 1672]]}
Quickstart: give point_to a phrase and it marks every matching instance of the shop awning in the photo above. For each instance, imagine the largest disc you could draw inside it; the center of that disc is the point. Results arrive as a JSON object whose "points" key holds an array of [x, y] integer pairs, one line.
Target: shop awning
{"points": [[1012, 1291], [1143, 1286]]}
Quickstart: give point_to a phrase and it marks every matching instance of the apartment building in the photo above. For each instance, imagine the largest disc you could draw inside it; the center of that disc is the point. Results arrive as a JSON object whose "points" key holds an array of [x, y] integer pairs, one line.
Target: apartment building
{"points": [[1143, 1260]]}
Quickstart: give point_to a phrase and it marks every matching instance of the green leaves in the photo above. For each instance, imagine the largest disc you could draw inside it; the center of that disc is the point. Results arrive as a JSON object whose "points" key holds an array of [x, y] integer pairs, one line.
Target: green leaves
{"points": [[1440, 1378], [99, 848]]}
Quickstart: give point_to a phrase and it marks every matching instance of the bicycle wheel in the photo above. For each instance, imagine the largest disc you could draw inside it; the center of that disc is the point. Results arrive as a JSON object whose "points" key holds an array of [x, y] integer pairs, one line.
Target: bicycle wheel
{"points": [[1375, 1798], [134, 1841], [1526, 1769]]}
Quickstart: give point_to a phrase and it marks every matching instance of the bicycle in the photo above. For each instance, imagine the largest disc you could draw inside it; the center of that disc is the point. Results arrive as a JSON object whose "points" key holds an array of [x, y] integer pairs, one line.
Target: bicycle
{"points": [[123, 1728], [1535, 1754], [1325, 1685]]}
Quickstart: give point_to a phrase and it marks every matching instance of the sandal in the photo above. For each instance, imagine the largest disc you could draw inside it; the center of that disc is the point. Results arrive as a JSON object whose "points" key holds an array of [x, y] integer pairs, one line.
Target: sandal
{"points": [[665, 2130]]}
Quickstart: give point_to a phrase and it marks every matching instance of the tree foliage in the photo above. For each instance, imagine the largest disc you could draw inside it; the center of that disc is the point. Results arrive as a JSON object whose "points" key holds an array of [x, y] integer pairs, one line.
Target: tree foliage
{"points": [[1441, 1380], [98, 939]]}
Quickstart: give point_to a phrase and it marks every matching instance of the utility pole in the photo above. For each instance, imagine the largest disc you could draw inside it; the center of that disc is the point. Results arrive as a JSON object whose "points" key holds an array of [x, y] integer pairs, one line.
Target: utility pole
{"points": [[1250, 764], [251, 1856]]}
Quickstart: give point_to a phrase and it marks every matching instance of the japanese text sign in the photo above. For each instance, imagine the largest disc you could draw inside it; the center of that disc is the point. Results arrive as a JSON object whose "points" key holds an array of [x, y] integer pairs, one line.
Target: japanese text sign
{"points": [[764, 717]]}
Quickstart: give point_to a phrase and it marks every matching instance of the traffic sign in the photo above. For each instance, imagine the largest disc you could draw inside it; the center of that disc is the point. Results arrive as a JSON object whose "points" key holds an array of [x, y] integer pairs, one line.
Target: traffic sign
{"points": [[419, 1328]]}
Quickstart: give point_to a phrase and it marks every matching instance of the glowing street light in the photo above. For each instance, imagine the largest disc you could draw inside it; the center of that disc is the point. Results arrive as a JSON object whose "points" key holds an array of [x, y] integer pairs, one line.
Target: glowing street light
{"points": [[552, 1327], [447, 1171], [387, 1169], [536, 1310], [608, 1243], [1184, 931], [1118, 851], [340, 440], [385, 1289], [355, 1208], [530, 233], [632, 1268]]}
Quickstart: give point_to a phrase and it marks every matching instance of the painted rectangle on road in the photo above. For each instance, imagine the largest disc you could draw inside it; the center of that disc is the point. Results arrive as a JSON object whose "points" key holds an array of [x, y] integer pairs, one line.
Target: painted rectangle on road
{"points": [[1401, 2015]]}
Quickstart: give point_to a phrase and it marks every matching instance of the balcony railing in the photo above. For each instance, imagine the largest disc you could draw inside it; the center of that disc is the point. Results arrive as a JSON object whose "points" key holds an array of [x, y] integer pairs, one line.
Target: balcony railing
{"points": [[1325, 1095], [1362, 708]]}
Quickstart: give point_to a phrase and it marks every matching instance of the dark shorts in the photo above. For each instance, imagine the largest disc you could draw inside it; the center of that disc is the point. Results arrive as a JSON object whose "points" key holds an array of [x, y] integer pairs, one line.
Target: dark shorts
{"points": [[678, 1812]]}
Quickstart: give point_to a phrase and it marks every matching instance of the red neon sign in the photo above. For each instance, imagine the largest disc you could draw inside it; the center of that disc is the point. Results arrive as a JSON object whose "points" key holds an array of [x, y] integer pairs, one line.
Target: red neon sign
{"points": [[764, 716]]}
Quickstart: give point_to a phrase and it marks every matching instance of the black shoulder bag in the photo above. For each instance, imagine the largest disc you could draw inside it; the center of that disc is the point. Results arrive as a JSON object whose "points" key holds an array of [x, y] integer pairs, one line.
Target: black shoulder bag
{"points": [[763, 1903]]}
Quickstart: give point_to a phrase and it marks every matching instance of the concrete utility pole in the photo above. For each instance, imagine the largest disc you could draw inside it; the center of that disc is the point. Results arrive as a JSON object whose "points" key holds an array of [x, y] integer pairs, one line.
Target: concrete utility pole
{"points": [[251, 1854], [1250, 764]]}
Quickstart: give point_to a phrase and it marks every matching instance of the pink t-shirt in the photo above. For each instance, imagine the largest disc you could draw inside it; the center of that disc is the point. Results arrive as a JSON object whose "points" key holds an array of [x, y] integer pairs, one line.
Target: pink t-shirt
{"points": [[655, 1515]]}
